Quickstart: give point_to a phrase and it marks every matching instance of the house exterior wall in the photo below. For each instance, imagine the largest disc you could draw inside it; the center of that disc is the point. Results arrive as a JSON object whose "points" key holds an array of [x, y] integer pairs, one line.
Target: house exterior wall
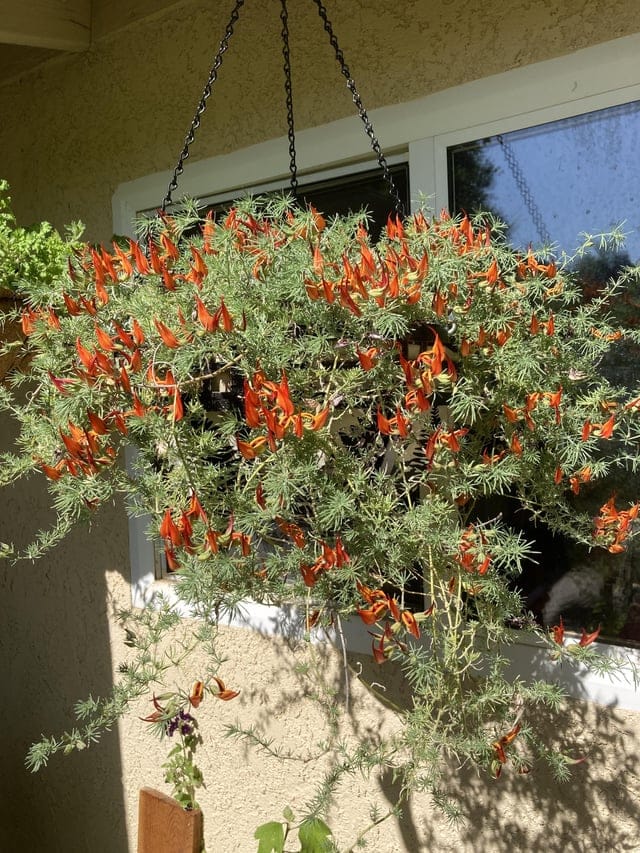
{"points": [[72, 130]]}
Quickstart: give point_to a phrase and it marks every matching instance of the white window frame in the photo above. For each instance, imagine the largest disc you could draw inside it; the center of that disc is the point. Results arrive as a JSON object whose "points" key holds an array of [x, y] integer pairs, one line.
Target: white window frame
{"points": [[420, 132]]}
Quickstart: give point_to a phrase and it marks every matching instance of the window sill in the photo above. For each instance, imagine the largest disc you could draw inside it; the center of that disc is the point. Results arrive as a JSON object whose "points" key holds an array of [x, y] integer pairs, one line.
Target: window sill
{"points": [[528, 657]]}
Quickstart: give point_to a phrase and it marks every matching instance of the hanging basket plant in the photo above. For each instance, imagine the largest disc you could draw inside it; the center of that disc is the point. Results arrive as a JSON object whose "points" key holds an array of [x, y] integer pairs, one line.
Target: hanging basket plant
{"points": [[324, 420]]}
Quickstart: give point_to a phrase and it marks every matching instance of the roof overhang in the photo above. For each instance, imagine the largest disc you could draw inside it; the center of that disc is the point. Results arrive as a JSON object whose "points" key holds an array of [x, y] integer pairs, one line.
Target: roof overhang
{"points": [[52, 24]]}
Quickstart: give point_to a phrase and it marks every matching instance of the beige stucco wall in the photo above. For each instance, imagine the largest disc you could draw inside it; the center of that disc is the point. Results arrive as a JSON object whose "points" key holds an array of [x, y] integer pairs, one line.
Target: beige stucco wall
{"points": [[79, 125], [70, 132]]}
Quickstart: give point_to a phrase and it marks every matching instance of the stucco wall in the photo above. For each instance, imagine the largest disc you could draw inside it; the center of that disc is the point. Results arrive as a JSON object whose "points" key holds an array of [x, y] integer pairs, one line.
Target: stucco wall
{"points": [[79, 125], [596, 811], [71, 131]]}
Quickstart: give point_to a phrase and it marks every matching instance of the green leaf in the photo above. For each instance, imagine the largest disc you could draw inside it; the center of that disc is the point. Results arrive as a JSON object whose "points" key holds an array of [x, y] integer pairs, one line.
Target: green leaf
{"points": [[288, 814], [270, 837], [314, 836]]}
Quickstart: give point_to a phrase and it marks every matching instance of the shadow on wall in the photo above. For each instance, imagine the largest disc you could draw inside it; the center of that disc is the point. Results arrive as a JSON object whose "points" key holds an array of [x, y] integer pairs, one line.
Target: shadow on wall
{"points": [[55, 649], [597, 809]]}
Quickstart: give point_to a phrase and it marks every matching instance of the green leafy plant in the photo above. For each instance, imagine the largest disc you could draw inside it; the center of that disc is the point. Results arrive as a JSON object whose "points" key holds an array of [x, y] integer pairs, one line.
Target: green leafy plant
{"points": [[313, 835], [29, 255], [327, 421]]}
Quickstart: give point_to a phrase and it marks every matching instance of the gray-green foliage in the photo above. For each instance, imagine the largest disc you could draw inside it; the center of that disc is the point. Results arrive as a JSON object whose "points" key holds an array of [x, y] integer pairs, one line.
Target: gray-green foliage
{"points": [[320, 419]]}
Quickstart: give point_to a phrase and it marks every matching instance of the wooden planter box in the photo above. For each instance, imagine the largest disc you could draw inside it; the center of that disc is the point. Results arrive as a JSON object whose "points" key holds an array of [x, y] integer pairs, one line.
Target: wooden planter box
{"points": [[165, 827], [9, 333]]}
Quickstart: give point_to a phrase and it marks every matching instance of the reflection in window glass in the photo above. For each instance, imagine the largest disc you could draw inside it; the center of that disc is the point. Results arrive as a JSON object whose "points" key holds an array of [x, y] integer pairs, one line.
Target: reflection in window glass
{"points": [[364, 191], [342, 196], [550, 184]]}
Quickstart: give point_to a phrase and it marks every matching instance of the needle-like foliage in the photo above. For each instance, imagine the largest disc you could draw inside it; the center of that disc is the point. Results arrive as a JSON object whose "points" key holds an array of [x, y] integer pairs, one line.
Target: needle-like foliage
{"points": [[325, 420]]}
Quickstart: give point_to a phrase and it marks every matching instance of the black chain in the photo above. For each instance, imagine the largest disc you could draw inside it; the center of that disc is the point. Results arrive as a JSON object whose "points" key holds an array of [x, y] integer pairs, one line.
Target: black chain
{"points": [[213, 76], [293, 168], [195, 124], [375, 145]]}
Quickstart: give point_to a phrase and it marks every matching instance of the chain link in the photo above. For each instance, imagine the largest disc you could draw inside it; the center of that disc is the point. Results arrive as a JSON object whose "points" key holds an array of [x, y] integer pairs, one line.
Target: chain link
{"points": [[195, 124], [375, 145], [293, 168], [525, 192]]}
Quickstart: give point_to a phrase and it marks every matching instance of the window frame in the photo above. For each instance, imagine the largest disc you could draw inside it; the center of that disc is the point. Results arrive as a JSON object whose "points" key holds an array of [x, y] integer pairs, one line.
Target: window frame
{"points": [[420, 132]]}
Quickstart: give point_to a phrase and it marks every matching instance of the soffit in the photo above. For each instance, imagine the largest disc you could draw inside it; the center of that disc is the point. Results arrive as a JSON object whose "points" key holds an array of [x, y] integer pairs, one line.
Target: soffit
{"points": [[32, 33]]}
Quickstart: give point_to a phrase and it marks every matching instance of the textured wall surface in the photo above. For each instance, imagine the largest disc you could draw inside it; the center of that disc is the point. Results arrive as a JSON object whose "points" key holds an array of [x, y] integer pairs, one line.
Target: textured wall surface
{"points": [[71, 131], [54, 642], [79, 125], [596, 811]]}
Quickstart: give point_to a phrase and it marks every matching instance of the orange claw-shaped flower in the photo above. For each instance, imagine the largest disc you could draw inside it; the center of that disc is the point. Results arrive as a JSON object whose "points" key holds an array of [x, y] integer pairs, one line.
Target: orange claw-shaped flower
{"points": [[251, 449], [155, 715], [167, 336], [225, 694], [587, 639], [558, 633], [499, 748], [197, 694], [409, 622]]}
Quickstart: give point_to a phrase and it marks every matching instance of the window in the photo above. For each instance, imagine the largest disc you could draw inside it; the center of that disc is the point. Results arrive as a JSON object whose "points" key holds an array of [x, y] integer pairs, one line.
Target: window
{"points": [[552, 181], [432, 134], [549, 183]]}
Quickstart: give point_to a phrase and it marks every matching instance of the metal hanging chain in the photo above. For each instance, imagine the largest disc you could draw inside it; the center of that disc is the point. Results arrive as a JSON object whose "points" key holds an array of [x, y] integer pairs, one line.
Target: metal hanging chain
{"points": [[375, 145], [195, 124], [525, 192], [293, 168]]}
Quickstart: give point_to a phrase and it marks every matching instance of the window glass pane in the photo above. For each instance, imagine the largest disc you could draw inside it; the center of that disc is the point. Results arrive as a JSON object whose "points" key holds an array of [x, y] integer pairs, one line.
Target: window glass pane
{"points": [[367, 190], [551, 182], [548, 184]]}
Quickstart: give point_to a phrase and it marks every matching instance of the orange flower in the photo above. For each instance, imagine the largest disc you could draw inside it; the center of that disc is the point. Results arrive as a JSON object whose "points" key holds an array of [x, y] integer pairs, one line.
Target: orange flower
{"points": [[371, 615], [140, 258], [510, 414], [587, 639], [198, 269], [612, 526], [224, 693], [167, 336], [515, 445], [318, 420], [293, 531], [369, 358], [329, 558], [223, 314], [197, 694], [499, 748], [205, 318], [397, 425], [98, 425], [606, 430], [409, 622], [251, 449], [177, 410], [558, 633]]}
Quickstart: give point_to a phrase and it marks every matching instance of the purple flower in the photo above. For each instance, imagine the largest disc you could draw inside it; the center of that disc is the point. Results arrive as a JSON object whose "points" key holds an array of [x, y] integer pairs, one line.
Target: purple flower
{"points": [[181, 723]]}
